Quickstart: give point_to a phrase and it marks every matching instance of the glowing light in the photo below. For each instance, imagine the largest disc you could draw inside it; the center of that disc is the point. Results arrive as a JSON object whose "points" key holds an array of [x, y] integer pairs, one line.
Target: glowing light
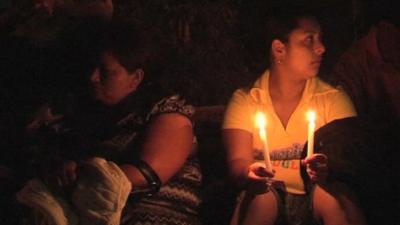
{"points": [[261, 124], [311, 129]]}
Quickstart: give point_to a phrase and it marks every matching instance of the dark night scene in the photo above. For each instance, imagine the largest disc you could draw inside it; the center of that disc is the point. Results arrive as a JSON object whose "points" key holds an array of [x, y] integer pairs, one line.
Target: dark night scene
{"points": [[199, 112]]}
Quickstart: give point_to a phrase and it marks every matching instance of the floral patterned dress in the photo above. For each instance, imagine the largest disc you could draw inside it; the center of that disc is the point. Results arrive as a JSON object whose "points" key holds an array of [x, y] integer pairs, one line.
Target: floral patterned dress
{"points": [[116, 134]]}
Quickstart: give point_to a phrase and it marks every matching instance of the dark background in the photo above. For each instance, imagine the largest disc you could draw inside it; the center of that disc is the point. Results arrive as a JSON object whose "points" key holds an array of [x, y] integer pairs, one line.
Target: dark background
{"points": [[213, 44], [213, 54]]}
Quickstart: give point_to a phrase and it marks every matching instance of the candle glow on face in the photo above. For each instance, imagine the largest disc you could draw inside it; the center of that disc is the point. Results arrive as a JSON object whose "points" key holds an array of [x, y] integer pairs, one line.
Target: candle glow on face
{"points": [[261, 124], [311, 129]]}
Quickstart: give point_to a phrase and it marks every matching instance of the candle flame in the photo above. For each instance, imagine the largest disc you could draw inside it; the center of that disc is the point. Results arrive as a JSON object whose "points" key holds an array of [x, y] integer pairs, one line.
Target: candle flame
{"points": [[260, 120], [311, 129], [311, 116], [261, 123]]}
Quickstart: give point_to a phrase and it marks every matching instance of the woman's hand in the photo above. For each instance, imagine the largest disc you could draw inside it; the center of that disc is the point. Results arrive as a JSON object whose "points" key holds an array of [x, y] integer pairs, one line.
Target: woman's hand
{"points": [[69, 173], [317, 167], [63, 178], [42, 117], [257, 172], [258, 177], [46, 6]]}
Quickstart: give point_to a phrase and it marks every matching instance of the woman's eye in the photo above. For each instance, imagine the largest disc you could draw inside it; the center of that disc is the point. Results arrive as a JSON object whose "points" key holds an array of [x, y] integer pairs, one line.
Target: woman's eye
{"points": [[107, 73], [309, 39]]}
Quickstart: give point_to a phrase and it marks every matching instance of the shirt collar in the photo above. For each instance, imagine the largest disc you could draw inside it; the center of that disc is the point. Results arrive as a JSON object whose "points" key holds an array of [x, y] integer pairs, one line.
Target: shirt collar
{"points": [[260, 90]]}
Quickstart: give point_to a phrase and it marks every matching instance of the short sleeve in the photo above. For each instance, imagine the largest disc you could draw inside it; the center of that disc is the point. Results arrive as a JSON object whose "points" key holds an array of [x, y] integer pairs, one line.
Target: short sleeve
{"points": [[340, 107], [238, 112], [172, 104]]}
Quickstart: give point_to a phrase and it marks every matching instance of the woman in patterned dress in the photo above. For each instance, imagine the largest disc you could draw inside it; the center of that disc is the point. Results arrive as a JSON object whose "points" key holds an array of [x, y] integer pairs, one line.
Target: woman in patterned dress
{"points": [[127, 118]]}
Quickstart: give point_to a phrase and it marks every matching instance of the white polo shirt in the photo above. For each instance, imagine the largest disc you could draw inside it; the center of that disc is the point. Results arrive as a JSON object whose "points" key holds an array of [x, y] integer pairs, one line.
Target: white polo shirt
{"points": [[286, 145]]}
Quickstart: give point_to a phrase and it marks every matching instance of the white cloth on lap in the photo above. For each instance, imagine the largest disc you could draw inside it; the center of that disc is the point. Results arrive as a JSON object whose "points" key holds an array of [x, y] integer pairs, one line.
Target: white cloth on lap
{"points": [[101, 192], [53, 209], [99, 197]]}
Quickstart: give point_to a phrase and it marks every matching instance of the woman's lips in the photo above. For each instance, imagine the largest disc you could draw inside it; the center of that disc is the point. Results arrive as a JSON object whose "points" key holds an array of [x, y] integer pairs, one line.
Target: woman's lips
{"points": [[316, 62]]}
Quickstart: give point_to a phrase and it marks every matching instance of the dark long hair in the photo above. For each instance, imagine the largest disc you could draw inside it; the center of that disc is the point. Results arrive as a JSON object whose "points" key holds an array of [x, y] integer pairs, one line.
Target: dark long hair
{"points": [[282, 21], [270, 21]]}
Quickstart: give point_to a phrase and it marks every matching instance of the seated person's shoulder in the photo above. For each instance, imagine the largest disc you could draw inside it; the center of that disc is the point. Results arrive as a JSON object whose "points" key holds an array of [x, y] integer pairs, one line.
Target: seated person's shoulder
{"points": [[175, 105], [324, 88]]}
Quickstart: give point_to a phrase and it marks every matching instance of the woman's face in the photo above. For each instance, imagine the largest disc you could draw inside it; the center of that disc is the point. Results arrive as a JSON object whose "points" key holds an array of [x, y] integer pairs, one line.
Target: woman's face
{"points": [[304, 49], [110, 82]]}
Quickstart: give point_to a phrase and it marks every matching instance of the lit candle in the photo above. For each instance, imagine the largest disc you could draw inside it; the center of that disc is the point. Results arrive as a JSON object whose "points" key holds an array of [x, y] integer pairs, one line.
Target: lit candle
{"points": [[311, 129], [261, 123]]}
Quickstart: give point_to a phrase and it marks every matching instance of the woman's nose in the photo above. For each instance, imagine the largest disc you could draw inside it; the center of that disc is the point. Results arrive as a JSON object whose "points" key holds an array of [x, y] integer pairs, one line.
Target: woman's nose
{"points": [[95, 76], [320, 48]]}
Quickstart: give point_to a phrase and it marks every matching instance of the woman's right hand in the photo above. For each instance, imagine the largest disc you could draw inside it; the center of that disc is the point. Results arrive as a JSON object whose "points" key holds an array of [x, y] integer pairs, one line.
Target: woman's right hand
{"points": [[257, 172], [42, 117], [259, 178], [69, 173], [64, 177]]}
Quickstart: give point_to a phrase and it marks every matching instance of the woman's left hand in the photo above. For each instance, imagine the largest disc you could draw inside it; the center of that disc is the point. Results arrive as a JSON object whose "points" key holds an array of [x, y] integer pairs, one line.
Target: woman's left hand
{"points": [[317, 167], [64, 177]]}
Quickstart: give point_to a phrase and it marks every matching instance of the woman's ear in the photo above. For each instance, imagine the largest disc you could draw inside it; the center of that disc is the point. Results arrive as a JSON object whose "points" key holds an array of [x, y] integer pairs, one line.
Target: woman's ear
{"points": [[137, 77], [278, 49]]}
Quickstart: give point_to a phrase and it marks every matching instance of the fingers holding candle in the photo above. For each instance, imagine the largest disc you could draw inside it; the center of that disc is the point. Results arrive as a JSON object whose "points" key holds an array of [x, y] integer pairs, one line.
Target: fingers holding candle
{"points": [[257, 170], [317, 167], [316, 159], [259, 177]]}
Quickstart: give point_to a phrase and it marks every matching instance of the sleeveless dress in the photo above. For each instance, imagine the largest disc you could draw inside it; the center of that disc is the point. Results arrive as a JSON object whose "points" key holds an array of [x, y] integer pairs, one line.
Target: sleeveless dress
{"points": [[89, 130]]}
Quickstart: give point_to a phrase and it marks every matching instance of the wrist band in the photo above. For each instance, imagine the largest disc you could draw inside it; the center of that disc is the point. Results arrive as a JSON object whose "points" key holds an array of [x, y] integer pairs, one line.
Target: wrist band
{"points": [[153, 181]]}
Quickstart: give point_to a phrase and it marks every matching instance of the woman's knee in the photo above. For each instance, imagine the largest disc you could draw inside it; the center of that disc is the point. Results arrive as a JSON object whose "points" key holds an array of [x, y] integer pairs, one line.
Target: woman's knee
{"points": [[256, 209], [336, 207]]}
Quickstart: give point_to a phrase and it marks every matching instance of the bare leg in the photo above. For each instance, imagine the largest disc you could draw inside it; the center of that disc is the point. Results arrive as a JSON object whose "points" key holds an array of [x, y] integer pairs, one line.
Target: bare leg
{"points": [[256, 209], [336, 209]]}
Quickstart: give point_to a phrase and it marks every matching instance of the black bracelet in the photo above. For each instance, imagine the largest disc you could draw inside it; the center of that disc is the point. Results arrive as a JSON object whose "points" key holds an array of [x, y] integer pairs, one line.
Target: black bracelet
{"points": [[154, 182]]}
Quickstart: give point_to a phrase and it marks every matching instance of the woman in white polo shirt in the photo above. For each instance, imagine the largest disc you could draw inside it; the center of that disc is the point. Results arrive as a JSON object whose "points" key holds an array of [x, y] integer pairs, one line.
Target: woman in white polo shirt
{"points": [[284, 93]]}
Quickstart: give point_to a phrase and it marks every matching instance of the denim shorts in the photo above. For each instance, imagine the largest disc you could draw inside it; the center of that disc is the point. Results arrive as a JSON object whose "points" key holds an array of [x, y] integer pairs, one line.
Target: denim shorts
{"points": [[294, 209]]}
